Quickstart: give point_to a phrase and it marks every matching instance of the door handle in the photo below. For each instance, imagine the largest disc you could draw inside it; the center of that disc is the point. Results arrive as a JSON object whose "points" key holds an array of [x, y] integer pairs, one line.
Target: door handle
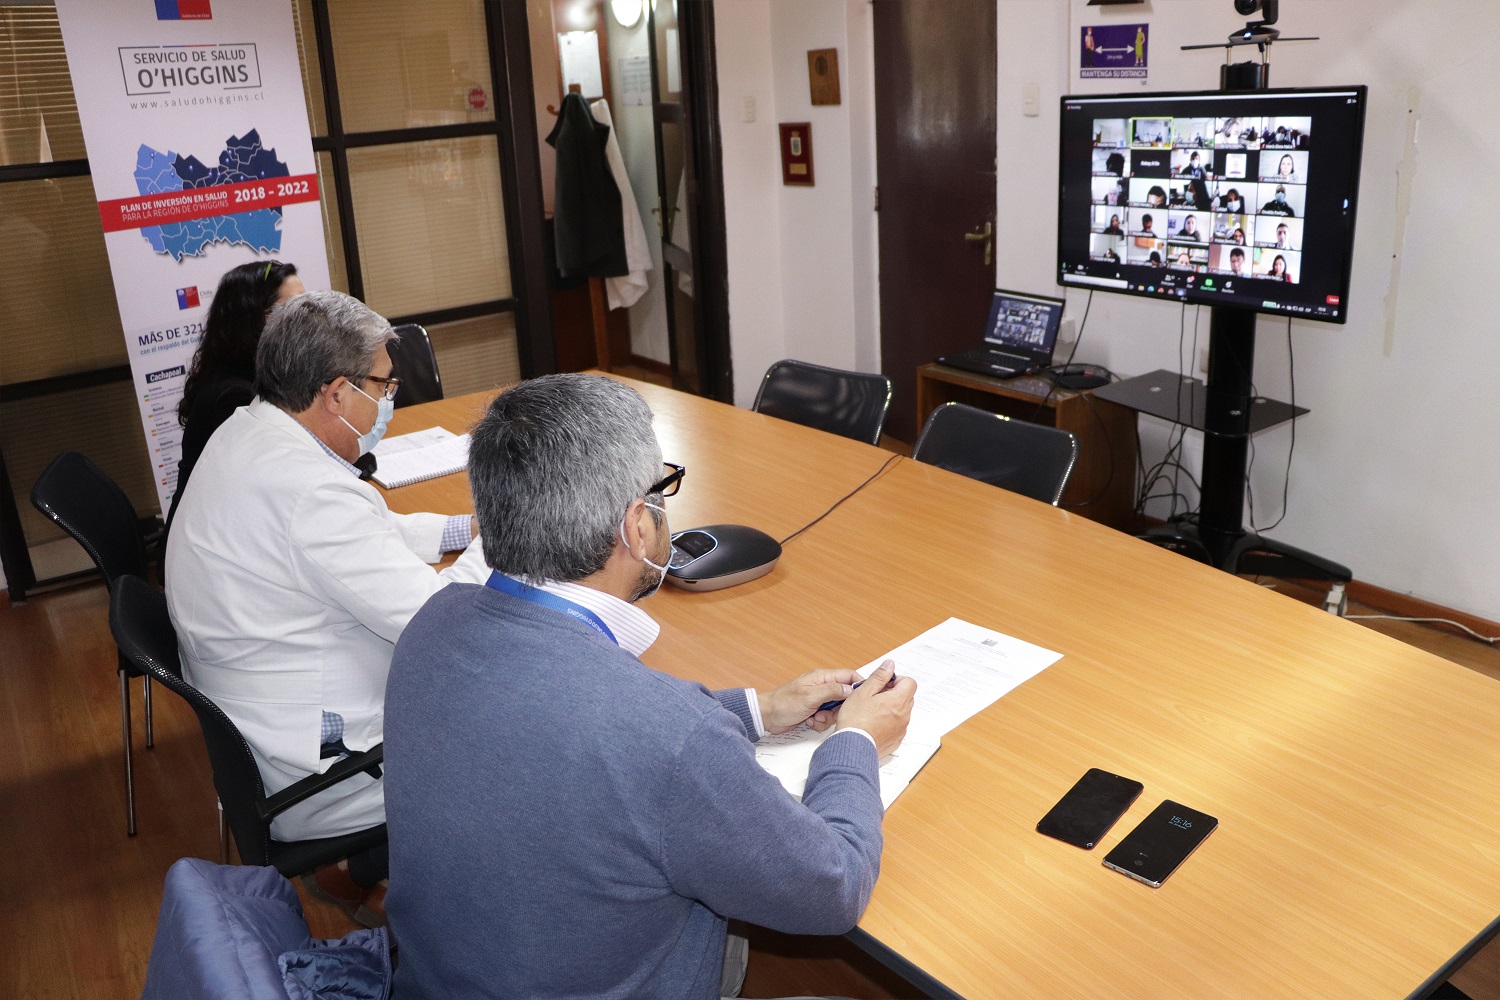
{"points": [[988, 239]]}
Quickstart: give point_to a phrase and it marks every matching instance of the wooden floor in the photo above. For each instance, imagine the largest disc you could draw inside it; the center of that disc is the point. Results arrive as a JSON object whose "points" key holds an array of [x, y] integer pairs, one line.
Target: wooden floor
{"points": [[78, 899]]}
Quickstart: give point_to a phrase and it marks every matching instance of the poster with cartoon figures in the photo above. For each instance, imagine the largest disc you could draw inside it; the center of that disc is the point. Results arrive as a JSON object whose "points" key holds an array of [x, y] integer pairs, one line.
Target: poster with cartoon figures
{"points": [[1113, 51]]}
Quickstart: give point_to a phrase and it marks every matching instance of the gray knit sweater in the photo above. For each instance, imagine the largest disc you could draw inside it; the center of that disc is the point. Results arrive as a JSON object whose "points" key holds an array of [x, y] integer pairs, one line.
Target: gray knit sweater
{"points": [[566, 822]]}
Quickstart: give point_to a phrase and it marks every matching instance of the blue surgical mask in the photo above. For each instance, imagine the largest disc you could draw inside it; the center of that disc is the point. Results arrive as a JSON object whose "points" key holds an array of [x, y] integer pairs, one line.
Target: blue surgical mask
{"points": [[1281, 197], [384, 408]]}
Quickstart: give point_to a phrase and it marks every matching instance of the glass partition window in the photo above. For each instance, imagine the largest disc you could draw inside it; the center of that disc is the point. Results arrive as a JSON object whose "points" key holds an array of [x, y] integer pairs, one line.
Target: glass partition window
{"points": [[38, 117], [431, 229], [57, 312], [411, 65]]}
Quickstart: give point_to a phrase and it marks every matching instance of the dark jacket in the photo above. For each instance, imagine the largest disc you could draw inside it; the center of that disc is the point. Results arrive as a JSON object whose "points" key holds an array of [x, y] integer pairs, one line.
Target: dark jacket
{"points": [[586, 209]]}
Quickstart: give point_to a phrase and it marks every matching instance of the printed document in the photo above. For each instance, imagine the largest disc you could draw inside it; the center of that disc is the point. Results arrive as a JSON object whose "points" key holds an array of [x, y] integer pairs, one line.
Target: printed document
{"points": [[960, 669]]}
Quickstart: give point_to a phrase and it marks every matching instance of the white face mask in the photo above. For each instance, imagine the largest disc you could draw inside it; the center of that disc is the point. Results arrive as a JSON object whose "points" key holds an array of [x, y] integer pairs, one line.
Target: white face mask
{"points": [[384, 409], [660, 568]]}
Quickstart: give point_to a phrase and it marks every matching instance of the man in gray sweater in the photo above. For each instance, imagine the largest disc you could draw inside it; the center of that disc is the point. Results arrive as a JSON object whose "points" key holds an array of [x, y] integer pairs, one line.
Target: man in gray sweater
{"points": [[565, 821]]}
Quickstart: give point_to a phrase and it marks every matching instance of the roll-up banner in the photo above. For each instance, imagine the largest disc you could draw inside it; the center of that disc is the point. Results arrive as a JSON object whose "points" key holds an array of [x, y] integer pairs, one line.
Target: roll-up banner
{"points": [[201, 155]]}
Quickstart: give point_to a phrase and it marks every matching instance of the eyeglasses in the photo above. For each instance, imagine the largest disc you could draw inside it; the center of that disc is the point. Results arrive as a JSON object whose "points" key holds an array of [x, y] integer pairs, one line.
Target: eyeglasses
{"points": [[669, 484], [388, 386]]}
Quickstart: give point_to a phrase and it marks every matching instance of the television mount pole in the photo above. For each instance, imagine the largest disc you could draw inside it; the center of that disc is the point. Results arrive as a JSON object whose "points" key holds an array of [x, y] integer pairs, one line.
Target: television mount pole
{"points": [[1219, 538]]}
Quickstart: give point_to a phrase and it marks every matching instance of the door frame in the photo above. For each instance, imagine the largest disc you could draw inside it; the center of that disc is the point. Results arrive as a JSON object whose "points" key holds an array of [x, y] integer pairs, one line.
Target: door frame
{"points": [[700, 108]]}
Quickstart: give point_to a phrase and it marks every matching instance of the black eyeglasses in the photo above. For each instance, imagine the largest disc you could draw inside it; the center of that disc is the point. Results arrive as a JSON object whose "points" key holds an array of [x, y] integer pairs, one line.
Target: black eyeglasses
{"points": [[669, 484], [388, 386]]}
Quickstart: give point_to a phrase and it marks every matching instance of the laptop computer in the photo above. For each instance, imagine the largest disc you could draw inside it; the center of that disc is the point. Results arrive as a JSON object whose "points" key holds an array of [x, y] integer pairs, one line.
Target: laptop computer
{"points": [[1019, 338]]}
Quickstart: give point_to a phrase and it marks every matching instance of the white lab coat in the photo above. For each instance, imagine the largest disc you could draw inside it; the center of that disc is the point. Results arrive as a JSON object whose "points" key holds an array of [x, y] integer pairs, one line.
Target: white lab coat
{"points": [[627, 289], [288, 582]]}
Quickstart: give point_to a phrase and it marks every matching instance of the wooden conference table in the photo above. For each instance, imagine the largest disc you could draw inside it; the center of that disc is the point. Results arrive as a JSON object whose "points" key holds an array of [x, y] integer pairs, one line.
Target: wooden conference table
{"points": [[1354, 777]]}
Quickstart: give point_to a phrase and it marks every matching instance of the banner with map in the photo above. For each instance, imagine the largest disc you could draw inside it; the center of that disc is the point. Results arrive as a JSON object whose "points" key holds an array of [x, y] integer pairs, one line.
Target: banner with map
{"points": [[201, 155]]}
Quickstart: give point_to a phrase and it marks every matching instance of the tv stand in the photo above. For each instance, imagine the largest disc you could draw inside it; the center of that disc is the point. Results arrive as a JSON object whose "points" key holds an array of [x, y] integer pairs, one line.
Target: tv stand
{"points": [[1230, 412]]}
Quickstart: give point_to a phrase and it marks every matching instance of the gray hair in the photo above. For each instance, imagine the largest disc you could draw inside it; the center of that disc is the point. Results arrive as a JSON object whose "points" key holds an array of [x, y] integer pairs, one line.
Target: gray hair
{"points": [[553, 465], [312, 339]]}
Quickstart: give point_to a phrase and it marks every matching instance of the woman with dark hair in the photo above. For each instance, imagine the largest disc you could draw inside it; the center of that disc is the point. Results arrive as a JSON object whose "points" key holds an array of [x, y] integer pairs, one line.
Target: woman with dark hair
{"points": [[222, 375], [1278, 269]]}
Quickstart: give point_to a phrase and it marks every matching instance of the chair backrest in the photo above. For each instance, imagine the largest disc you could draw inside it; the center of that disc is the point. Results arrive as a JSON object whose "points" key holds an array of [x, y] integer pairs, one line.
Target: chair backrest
{"points": [[852, 404], [143, 630], [1031, 459], [415, 364], [87, 504]]}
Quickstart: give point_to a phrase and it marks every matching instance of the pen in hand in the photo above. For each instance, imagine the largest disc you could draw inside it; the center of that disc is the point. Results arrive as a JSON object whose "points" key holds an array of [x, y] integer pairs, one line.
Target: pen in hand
{"points": [[829, 706]]}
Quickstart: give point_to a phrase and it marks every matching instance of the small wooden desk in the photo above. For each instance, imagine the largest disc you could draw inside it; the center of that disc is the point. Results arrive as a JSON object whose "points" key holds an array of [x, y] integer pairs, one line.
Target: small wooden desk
{"points": [[1102, 487], [1353, 776]]}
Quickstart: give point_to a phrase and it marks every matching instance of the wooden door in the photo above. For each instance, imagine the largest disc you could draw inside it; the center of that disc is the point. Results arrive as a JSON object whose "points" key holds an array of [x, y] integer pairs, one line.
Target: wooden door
{"points": [[935, 158]]}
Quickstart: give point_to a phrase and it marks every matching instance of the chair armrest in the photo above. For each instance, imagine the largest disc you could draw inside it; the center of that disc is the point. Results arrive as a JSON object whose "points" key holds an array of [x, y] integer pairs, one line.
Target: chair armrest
{"points": [[368, 761]]}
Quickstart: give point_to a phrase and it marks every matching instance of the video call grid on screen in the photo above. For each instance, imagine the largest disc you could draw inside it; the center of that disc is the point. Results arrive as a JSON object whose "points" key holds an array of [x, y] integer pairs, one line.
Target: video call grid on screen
{"points": [[1174, 187], [1018, 320]]}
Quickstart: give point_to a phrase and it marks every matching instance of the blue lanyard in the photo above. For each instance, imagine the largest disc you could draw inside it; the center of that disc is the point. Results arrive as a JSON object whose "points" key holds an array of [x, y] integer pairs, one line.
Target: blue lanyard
{"points": [[515, 588]]}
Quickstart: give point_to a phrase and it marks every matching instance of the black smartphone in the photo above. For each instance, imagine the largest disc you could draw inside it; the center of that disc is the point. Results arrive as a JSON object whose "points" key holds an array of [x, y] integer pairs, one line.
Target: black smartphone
{"points": [[1090, 808], [1161, 842]]}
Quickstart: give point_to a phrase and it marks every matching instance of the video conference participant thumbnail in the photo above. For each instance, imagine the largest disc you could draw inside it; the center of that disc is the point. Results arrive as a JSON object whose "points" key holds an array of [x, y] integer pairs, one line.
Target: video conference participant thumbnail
{"points": [[1148, 192], [1232, 227], [1112, 133], [1278, 265], [1278, 132], [1108, 191], [1197, 133], [1151, 163], [1284, 168], [1189, 192], [1155, 133], [1229, 259], [1280, 232], [1235, 165], [1289, 200], [1110, 220], [1195, 227], [1144, 250], [1231, 198], [1243, 133], [1110, 248], [1108, 162], [1146, 224], [1189, 163], [1187, 256]]}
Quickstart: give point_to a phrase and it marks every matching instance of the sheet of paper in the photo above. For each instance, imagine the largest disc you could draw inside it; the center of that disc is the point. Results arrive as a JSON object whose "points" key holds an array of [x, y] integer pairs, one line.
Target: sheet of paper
{"points": [[579, 55], [635, 81], [961, 669], [789, 756], [408, 442]]}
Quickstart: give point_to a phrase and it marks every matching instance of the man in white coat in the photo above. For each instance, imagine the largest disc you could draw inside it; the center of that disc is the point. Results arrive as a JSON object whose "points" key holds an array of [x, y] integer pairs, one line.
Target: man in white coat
{"points": [[288, 579]]}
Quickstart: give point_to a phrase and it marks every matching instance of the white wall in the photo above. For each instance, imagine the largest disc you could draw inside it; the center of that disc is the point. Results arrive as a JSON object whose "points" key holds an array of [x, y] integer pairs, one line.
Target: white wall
{"points": [[1384, 477], [801, 259], [1393, 469]]}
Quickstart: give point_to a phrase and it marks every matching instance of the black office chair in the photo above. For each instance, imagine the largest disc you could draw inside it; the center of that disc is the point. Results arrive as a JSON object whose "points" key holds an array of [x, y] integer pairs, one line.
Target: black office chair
{"points": [[415, 364], [143, 630], [1030, 459], [851, 404], [87, 504]]}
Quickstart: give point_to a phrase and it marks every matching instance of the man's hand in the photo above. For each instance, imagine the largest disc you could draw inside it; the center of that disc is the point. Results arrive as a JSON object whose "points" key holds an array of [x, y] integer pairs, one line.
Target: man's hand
{"points": [[881, 713], [797, 701]]}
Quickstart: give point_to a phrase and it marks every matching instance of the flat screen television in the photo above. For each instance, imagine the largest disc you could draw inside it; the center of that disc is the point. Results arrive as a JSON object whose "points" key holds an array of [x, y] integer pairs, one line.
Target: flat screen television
{"points": [[1243, 198]]}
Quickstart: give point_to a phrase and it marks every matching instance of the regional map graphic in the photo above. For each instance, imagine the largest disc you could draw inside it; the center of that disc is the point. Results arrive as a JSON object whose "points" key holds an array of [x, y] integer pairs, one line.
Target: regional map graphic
{"points": [[243, 160]]}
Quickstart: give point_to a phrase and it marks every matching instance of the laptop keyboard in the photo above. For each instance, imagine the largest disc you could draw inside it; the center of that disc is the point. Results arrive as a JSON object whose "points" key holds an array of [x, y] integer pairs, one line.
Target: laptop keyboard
{"points": [[997, 362]]}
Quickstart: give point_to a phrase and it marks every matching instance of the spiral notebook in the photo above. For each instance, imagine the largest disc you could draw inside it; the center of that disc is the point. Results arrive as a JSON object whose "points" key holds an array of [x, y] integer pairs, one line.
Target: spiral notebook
{"points": [[412, 458]]}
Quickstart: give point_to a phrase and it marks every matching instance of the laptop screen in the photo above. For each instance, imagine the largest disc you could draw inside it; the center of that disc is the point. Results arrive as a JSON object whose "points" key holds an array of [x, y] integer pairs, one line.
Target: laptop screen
{"points": [[1020, 322]]}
